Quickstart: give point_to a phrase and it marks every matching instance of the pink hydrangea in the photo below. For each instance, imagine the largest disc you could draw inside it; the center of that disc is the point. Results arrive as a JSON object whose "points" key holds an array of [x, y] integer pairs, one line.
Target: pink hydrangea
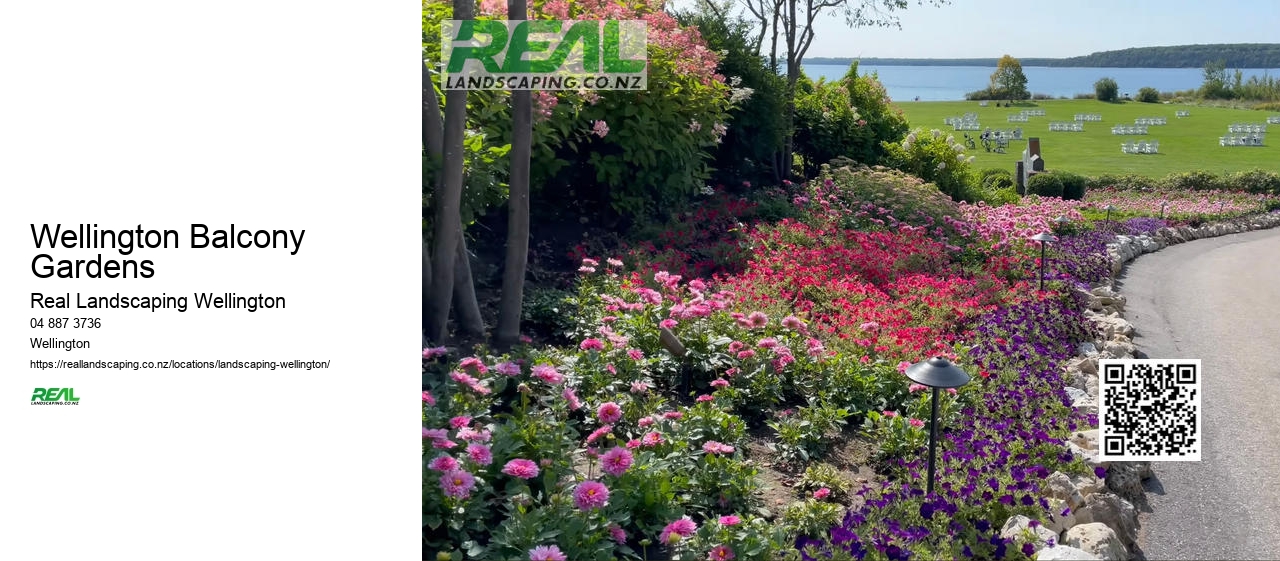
{"points": [[546, 553], [480, 454], [609, 413], [443, 463], [590, 495], [457, 483], [600, 128], [521, 468], [615, 462]]}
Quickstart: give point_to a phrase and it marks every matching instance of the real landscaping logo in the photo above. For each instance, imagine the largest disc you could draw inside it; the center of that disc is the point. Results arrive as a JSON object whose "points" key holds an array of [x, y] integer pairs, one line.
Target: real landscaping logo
{"points": [[54, 396], [544, 55]]}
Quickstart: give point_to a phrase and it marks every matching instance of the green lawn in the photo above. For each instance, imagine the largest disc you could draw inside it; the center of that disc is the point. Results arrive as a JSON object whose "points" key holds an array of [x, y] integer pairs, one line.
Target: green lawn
{"points": [[1189, 143]]}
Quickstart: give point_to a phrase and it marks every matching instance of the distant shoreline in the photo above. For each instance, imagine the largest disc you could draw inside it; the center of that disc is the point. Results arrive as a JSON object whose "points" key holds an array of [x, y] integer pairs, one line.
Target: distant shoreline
{"points": [[1239, 55]]}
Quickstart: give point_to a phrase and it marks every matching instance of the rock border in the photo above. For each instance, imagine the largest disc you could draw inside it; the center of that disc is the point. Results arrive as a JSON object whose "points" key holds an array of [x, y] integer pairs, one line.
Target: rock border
{"points": [[1095, 519]]}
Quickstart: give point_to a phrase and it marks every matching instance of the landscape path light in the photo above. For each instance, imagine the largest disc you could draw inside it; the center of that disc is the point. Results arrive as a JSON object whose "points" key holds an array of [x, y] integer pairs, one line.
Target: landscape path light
{"points": [[1062, 222], [1162, 206], [936, 373], [1044, 239], [1109, 209]]}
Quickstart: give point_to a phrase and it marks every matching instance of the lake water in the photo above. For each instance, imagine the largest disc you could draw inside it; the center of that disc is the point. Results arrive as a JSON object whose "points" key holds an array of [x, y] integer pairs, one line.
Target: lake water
{"points": [[950, 83]]}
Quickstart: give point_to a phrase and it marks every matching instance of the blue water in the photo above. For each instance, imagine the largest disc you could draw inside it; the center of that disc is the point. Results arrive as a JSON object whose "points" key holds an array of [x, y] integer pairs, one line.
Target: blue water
{"points": [[950, 83]]}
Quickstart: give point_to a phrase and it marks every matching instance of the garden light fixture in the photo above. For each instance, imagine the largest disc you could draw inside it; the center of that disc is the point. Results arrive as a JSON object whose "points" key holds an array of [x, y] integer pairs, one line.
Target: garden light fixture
{"points": [[936, 373], [1162, 207], [1043, 238], [1109, 209]]}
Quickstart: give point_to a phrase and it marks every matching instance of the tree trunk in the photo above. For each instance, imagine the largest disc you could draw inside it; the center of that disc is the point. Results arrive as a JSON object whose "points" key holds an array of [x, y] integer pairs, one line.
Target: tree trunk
{"points": [[433, 144], [448, 198], [465, 305], [512, 305]]}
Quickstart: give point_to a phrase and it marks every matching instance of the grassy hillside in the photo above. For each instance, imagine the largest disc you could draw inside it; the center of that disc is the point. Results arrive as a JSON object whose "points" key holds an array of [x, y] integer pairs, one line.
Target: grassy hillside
{"points": [[1189, 143]]}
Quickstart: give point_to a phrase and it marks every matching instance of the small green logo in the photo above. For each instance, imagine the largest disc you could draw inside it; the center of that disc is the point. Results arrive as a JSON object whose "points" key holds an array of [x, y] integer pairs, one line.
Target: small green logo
{"points": [[544, 54], [54, 396]]}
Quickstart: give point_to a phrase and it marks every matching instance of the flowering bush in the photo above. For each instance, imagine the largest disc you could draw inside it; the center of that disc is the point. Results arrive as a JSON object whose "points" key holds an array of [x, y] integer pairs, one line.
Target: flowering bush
{"points": [[848, 118], [937, 159]]}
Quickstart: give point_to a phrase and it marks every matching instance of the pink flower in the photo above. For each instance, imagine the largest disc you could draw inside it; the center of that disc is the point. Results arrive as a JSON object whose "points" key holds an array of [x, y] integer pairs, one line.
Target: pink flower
{"points": [[720, 553], [590, 495], [434, 352], [546, 553], [704, 397], [571, 398], [821, 493], [645, 422], [713, 447], [526, 339], [548, 374], [616, 461], [889, 414], [731, 372], [435, 434], [442, 463], [469, 434], [428, 398], [651, 439], [613, 262], [457, 483], [508, 369], [758, 319], [521, 468], [793, 322], [672, 415], [917, 423], [736, 346], [459, 422], [444, 444], [592, 345], [609, 413], [474, 364], [635, 354], [600, 128], [618, 534], [639, 387], [587, 270], [951, 391], [767, 343], [611, 369], [719, 383], [913, 388], [480, 454], [589, 262], [683, 527], [633, 444], [743, 355], [598, 433], [869, 326], [667, 323], [902, 366], [730, 520]]}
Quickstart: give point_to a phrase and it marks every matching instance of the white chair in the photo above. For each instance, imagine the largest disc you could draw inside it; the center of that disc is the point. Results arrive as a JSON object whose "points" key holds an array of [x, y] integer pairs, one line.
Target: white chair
{"points": [[1154, 147]]}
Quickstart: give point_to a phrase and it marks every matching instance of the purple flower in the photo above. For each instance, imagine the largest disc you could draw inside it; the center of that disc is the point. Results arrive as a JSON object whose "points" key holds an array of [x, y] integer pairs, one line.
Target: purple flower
{"points": [[457, 483], [546, 553]]}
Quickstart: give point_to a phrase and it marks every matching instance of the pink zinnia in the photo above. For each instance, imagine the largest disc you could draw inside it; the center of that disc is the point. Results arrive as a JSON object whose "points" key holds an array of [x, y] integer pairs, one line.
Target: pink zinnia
{"points": [[821, 493], [793, 322], [616, 461], [889, 414], [480, 454], [459, 421], [457, 483], [639, 387], [719, 383], [444, 444], [442, 463], [758, 319], [667, 323], [713, 447], [508, 369], [902, 366], [521, 468], [592, 345], [651, 439], [704, 397], [590, 494], [720, 553], [548, 374], [917, 423], [613, 262], [571, 398], [683, 527], [463, 379], [672, 415], [609, 413], [618, 534], [434, 352], [474, 364], [435, 434], [598, 433], [633, 444], [546, 553], [635, 354], [767, 343], [913, 388], [730, 520], [428, 398], [736, 346], [645, 422], [743, 355], [470, 435]]}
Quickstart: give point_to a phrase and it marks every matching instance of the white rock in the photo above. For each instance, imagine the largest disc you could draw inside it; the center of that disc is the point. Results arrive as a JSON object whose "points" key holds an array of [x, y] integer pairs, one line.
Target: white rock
{"points": [[1087, 439], [1059, 486], [1065, 553], [1016, 529], [1086, 349], [1098, 539], [1058, 522]]}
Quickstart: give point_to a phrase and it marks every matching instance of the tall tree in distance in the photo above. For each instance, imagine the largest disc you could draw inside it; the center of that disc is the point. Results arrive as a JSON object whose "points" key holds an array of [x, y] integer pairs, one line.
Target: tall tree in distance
{"points": [[512, 304], [1008, 81]]}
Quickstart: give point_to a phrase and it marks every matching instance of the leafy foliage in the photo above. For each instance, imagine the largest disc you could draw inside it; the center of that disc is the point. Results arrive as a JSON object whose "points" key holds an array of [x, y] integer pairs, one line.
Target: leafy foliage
{"points": [[934, 158], [1106, 89], [1148, 94], [1008, 81]]}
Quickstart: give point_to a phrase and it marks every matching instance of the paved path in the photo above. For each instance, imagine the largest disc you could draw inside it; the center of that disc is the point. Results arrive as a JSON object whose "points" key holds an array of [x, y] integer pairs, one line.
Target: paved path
{"points": [[1217, 300]]}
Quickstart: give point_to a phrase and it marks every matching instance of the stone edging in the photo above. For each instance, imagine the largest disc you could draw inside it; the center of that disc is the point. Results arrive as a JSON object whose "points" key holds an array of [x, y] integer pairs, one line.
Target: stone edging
{"points": [[1102, 523]]}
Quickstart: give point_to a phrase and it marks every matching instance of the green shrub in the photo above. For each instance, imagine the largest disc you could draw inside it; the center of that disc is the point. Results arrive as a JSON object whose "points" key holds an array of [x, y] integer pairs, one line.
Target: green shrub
{"points": [[1128, 182], [849, 118], [1073, 185], [934, 158], [1084, 96], [1195, 180], [1106, 89], [1269, 106], [1254, 181], [1005, 196], [1045, 185], [995, 179], [1149, 95]]}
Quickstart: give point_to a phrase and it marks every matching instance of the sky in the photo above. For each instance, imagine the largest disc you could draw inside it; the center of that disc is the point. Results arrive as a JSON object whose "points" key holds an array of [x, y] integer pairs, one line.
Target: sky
{"points": [[1053, 29]]}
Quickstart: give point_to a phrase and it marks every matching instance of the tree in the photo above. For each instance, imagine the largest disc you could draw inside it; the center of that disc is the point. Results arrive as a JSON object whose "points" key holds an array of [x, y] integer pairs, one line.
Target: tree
{"points": [[793, 19], [511, 306], [1008, 81], [1215, 80], [1148, 95], [1106, 89]]}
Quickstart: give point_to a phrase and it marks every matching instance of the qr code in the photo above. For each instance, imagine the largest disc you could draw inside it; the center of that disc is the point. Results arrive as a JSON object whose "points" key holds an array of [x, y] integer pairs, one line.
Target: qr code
{"points": [[1149, 410]]}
